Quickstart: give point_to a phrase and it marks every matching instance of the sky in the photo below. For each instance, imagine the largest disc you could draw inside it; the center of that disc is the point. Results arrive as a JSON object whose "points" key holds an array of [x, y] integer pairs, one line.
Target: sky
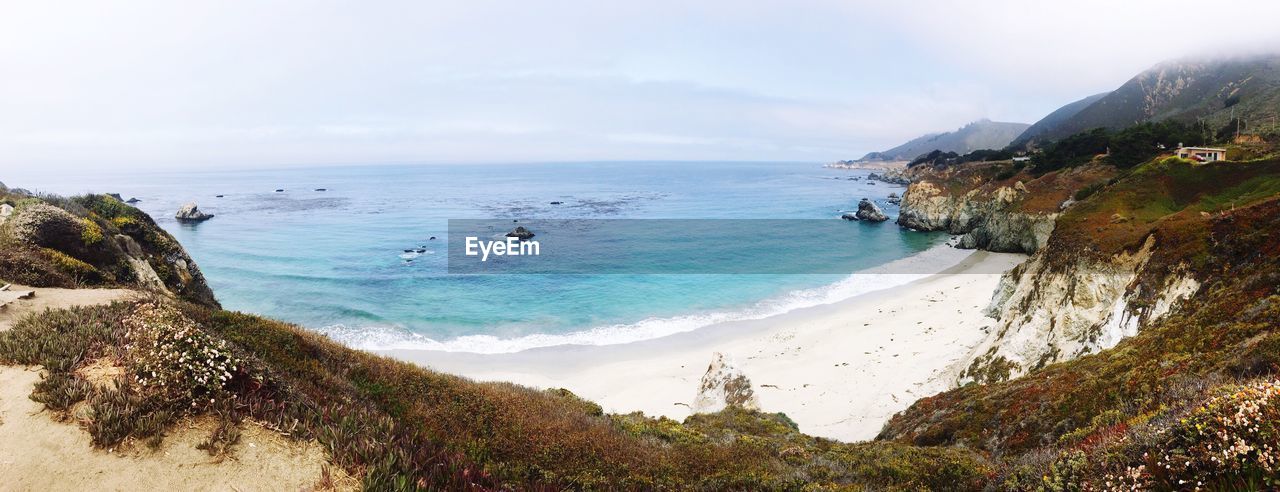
{"points": [[238, 84]]}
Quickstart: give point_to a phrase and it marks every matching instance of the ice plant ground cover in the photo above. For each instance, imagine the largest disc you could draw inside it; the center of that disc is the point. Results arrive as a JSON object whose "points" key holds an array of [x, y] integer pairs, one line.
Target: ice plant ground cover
{"points": [[1231, 440], [169, 354]]}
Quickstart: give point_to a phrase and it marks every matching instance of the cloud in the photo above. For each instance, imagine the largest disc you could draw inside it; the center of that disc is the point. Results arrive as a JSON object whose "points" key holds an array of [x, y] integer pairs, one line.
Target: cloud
{"points": [[236, 83]]}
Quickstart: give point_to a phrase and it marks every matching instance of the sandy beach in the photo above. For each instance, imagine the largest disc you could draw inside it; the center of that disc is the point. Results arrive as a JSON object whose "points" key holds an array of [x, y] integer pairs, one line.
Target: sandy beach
{"points": [[839, 370]]}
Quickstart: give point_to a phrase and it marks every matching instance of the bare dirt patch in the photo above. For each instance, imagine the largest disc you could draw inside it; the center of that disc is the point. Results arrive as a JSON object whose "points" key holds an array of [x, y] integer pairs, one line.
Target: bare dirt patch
{"points": [[37, 453], [103, 372], [53, 298]]}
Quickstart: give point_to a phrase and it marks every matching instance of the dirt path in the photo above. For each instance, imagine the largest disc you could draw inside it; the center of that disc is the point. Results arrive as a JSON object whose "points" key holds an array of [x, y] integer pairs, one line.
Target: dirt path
{"points": [[50, 298]]}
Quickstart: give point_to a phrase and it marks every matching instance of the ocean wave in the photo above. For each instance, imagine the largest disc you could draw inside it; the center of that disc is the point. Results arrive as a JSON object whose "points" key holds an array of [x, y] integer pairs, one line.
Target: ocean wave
{"points": [[387, 337]]}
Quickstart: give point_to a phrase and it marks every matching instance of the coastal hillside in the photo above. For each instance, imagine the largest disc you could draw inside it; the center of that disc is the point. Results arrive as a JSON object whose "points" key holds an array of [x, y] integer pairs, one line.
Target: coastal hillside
{"points": [[1204, 92], [979, 135], [1040, 130], [1147, 314], [92, 240]]}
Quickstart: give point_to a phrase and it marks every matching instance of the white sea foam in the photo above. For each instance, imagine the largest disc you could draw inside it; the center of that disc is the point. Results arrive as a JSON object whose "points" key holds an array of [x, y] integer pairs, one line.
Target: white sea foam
{"points": [[882, 277]]}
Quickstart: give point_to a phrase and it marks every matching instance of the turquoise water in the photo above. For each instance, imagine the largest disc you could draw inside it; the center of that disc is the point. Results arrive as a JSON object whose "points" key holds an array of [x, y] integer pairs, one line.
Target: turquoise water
{"points": [[334, 260]]}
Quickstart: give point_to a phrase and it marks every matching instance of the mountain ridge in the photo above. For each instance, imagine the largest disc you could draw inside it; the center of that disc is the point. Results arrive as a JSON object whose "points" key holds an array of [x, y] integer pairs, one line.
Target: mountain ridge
{"points": [[1212, 91], [977, 135]]}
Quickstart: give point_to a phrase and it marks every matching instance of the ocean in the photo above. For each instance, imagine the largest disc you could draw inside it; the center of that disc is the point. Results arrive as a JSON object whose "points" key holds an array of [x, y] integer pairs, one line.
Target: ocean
{"points": [[335, 260]]}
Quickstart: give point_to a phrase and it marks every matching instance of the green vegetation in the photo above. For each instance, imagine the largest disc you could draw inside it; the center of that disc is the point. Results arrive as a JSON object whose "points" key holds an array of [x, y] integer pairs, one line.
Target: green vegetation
{"points": [[403, 427], [1148, 412], [940, 158], [1124, 149], [88, 240], [91, 233]]}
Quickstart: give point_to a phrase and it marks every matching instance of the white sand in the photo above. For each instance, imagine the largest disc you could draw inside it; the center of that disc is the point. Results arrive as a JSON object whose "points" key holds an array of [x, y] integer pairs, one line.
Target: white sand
{"points": [[839, 370]]}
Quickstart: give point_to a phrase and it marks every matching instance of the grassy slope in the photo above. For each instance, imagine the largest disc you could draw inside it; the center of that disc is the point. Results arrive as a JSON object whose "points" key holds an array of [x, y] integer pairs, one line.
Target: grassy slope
{"points": [[401, 426]]}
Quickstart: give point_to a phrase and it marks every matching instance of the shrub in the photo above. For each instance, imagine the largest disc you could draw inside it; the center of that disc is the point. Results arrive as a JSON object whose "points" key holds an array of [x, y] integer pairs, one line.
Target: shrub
{"points": [[1009, 172], [1087, 191], [91, 234], [75, 268], [124, 222], [1231, 442], [171, 356]]}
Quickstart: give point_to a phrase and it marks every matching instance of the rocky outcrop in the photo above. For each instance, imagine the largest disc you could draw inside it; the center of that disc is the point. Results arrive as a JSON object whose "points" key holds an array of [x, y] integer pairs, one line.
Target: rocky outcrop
{"points": [[1013, 215], [191, 213], [1049, 313], [724, 385], [521, 233], [891, 177], [96, 240], [6, 211], [987, 219], [867, 211]]}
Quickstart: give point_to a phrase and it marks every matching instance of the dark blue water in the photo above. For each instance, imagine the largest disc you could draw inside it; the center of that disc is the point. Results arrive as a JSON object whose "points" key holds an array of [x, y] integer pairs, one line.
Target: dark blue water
{"points": [[334, 260]]}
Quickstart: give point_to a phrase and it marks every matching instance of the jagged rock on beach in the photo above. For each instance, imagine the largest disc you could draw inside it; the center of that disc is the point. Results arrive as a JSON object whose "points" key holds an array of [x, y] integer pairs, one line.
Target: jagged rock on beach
{"points": [[521, 233], [724, 385], [191, 213], [867, 211]]}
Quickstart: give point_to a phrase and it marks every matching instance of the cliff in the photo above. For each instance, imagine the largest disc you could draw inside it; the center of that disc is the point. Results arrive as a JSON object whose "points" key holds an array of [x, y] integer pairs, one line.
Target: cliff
{"points": [[93, 240], [1151, 298], [1116, 262], [995, 206]]}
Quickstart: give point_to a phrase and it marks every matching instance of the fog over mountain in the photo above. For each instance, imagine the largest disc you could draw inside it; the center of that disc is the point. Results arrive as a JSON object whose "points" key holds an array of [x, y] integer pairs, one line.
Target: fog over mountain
{"points": [[981, 134]]}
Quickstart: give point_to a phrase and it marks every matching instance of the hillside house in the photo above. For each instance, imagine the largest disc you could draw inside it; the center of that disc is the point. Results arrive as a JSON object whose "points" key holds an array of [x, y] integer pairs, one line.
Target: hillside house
{"points": [[1201, 154]]}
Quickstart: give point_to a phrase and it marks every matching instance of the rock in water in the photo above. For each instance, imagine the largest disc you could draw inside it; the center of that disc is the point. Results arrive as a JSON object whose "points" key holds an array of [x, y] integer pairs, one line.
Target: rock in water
{"points": [[724, 385], [868, 211], [895, 199], [191, 213], [132, 200], [520, 233]]}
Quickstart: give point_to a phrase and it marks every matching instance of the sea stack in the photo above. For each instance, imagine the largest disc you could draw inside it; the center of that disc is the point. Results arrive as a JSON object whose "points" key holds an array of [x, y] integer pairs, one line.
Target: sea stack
{"points": [[867, 211], [191, 213], [520, 233]]}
